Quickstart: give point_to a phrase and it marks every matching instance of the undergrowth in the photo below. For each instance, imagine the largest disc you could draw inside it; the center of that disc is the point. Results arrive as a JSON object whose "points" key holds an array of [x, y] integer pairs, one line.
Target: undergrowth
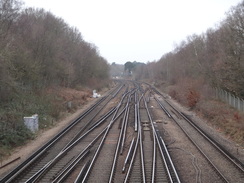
{"points": [[13, 132], [50, 104], [226, 119]]}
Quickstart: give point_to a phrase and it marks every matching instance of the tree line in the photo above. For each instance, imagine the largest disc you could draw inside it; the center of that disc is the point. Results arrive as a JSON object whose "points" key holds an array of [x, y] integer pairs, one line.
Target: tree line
{"points": [[38, 49], [215, 57]]}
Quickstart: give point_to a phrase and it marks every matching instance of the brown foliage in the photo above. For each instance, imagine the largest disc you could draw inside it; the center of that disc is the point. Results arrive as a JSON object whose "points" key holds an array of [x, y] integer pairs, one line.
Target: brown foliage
{"points": [[217, 56], [223, 117], [202, 62], [192, 97], [237, 116], [45, 51], [39, 50], [77, 97]]}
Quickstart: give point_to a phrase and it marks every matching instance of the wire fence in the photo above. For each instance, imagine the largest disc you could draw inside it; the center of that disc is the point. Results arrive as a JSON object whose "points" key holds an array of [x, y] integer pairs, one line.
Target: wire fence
{"points": [[230, 99]]}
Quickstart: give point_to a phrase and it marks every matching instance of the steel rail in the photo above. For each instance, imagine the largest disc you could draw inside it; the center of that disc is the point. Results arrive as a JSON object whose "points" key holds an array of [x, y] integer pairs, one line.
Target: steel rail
{"points": [[117, 91], [98, 122], [124, 129], [69, 169], [87, 124], [214, 143], [137, 143], [37, 154], [141, 145], [201, 151], [117, 149], [136, 112], [154, 142], [91, 144], [15, 172], [164, 109], [87, 147], [173, 175], [64, 174], [44, 169], [36, 176], [132, 159], [114, 118], [174, 178], [97, 152], [129, 155], [82, 172], [230, 157], [120, 143]]}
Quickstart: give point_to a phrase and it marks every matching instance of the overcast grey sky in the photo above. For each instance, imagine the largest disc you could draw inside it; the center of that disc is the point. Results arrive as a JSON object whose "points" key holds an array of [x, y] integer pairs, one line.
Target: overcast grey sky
{"points": [[137, 30]]}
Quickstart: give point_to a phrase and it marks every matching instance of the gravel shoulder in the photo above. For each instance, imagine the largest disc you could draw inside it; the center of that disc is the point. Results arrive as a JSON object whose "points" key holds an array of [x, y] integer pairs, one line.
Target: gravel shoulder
{"points": [[43, 136], [190, 164], [236, 150]]}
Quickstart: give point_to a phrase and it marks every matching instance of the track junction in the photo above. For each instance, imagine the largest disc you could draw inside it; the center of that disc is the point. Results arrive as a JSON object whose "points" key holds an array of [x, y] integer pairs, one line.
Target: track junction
{"points": [[121, 138]]}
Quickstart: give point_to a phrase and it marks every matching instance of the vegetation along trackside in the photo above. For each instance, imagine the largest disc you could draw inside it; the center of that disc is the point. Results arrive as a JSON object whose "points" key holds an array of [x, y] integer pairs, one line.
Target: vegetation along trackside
{"points": [[40, 53]]}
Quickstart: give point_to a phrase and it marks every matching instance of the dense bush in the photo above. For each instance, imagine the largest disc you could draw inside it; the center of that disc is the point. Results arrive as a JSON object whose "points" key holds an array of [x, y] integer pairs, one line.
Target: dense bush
{"points": [[13, 130]]}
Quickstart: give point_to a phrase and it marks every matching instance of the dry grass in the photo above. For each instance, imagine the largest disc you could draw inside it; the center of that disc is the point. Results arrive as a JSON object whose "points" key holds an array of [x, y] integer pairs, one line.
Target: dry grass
{"points": [[51, 105], [75, 97], [226, 119]]}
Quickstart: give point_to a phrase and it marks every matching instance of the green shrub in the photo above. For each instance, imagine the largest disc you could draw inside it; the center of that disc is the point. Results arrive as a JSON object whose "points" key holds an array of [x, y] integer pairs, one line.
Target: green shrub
{"points": [[12, 129]]}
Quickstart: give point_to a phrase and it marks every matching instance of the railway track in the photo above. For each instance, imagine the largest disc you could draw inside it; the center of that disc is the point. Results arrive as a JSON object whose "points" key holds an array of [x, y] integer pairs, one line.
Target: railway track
{"points": [[60, 142], [115, 140], [224, 167]]}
